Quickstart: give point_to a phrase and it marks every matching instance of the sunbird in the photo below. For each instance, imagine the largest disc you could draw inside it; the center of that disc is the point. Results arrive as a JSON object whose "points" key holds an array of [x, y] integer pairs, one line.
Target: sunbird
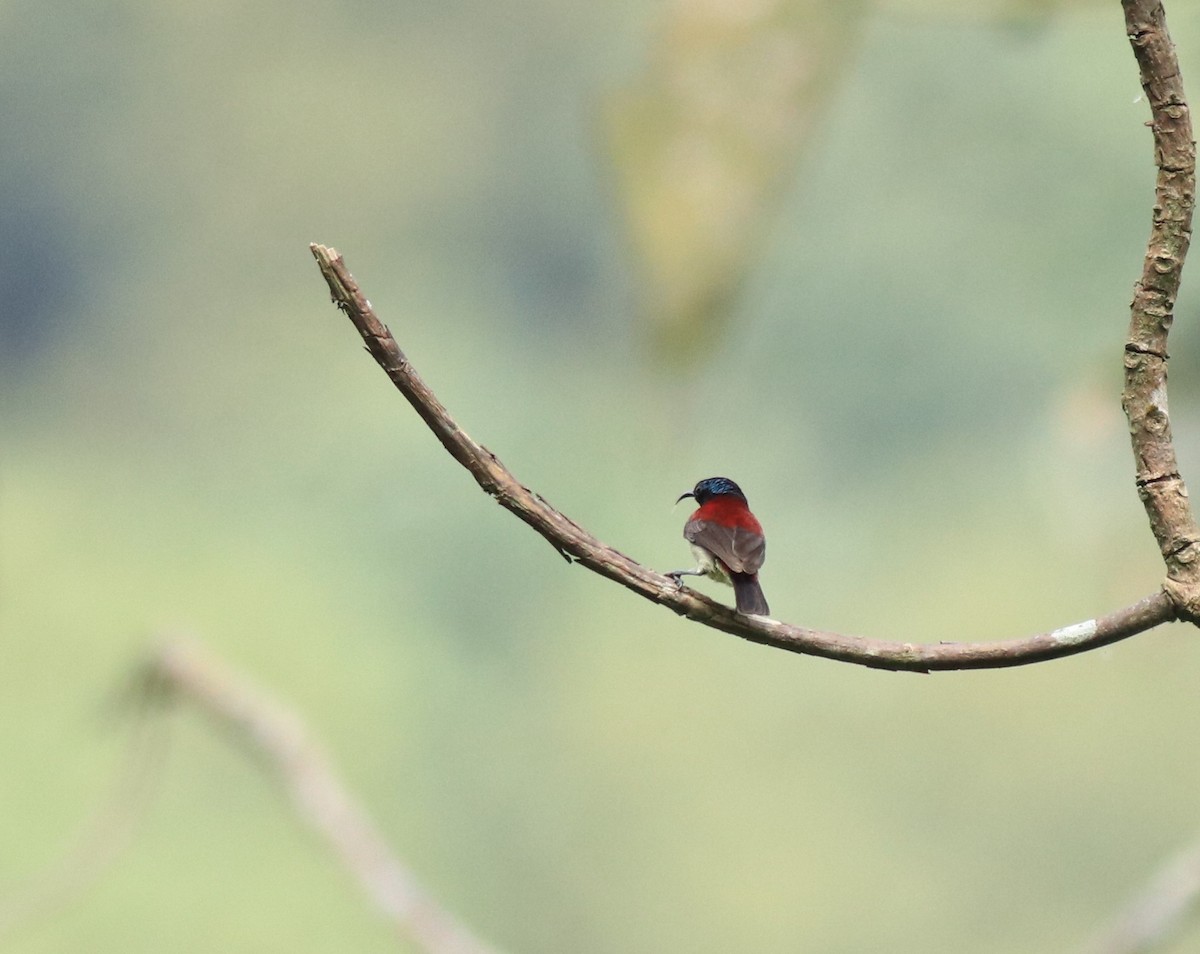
{"points": [[727, 541]]}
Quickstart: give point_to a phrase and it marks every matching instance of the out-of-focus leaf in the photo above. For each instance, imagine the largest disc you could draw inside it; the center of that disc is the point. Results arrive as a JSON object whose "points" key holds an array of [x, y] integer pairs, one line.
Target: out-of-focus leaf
{"points": [[706, 139]]}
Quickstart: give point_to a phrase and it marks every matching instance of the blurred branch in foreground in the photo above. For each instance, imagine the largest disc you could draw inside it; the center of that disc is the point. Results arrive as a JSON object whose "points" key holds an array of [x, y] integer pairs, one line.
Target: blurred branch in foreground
{"points": [[182, 671], [276, 736], [1156, 915]]}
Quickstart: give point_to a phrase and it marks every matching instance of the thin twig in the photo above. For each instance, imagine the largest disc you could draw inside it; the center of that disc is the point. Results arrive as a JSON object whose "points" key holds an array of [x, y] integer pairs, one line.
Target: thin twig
{"points": [[275, 735], [575, 543]]}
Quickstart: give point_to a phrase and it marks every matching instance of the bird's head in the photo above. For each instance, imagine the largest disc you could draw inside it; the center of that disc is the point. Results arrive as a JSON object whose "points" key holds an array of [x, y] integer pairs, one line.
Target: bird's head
{"points": [[711, 487]]}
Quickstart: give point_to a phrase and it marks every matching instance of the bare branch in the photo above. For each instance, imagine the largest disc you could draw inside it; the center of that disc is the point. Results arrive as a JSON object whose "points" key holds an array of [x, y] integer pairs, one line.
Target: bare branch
{"points": [[278, 738], [573, 542], [1145, 396]]}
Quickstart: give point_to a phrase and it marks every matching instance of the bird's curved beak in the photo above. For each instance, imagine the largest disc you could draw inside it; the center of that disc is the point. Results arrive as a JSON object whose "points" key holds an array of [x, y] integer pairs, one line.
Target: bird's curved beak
{"points": [[684, 496]]}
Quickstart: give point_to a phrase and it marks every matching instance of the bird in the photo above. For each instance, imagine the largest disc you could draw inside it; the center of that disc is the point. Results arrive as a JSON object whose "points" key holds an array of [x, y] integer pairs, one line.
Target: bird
{"points": [[727, 541]]}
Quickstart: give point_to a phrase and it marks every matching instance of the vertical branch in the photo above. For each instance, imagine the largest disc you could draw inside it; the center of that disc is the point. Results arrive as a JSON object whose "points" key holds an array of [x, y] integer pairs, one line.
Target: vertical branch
{"points": [[1145, 395]]}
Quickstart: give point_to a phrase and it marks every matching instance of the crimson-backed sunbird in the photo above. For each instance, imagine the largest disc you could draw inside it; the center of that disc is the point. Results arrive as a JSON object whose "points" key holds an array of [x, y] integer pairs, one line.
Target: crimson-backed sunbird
{"points": [[727, 541]]}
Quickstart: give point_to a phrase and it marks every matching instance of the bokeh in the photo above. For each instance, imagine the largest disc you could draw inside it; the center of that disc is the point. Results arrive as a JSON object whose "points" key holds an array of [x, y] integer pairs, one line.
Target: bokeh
{"points": [[917, 383]]}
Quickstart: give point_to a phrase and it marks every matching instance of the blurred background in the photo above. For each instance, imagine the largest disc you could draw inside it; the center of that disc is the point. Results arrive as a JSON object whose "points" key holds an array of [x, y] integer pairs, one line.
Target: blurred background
{"points": [[871, 260]]}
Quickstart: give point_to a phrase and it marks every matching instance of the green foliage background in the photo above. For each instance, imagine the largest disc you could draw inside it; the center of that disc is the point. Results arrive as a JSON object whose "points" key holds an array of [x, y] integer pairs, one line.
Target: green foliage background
{"points": [[918, 389]]}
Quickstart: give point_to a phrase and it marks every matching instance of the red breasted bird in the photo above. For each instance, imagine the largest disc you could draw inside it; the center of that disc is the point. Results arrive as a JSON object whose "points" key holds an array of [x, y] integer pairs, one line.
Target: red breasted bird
{"points": [[727, 541]]}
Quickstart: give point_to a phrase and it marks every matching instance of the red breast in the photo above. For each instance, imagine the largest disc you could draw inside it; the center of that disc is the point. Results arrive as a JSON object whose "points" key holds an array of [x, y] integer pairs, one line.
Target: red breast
{"points": [[728, 511]]}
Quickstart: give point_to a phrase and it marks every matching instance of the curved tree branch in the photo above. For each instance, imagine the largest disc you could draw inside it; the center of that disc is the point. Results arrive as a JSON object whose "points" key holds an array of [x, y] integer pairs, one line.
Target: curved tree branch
{"points": [[1144, 399], [575, 543], [1145, 396]]}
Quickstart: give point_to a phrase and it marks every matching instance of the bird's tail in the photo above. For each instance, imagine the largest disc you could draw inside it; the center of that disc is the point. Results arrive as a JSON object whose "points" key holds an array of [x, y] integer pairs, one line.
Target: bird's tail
{"points": [[749, 595]]}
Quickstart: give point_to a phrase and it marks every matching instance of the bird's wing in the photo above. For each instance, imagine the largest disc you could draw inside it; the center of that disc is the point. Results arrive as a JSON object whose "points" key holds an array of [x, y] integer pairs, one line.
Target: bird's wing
{"points": [[741, 550]]}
